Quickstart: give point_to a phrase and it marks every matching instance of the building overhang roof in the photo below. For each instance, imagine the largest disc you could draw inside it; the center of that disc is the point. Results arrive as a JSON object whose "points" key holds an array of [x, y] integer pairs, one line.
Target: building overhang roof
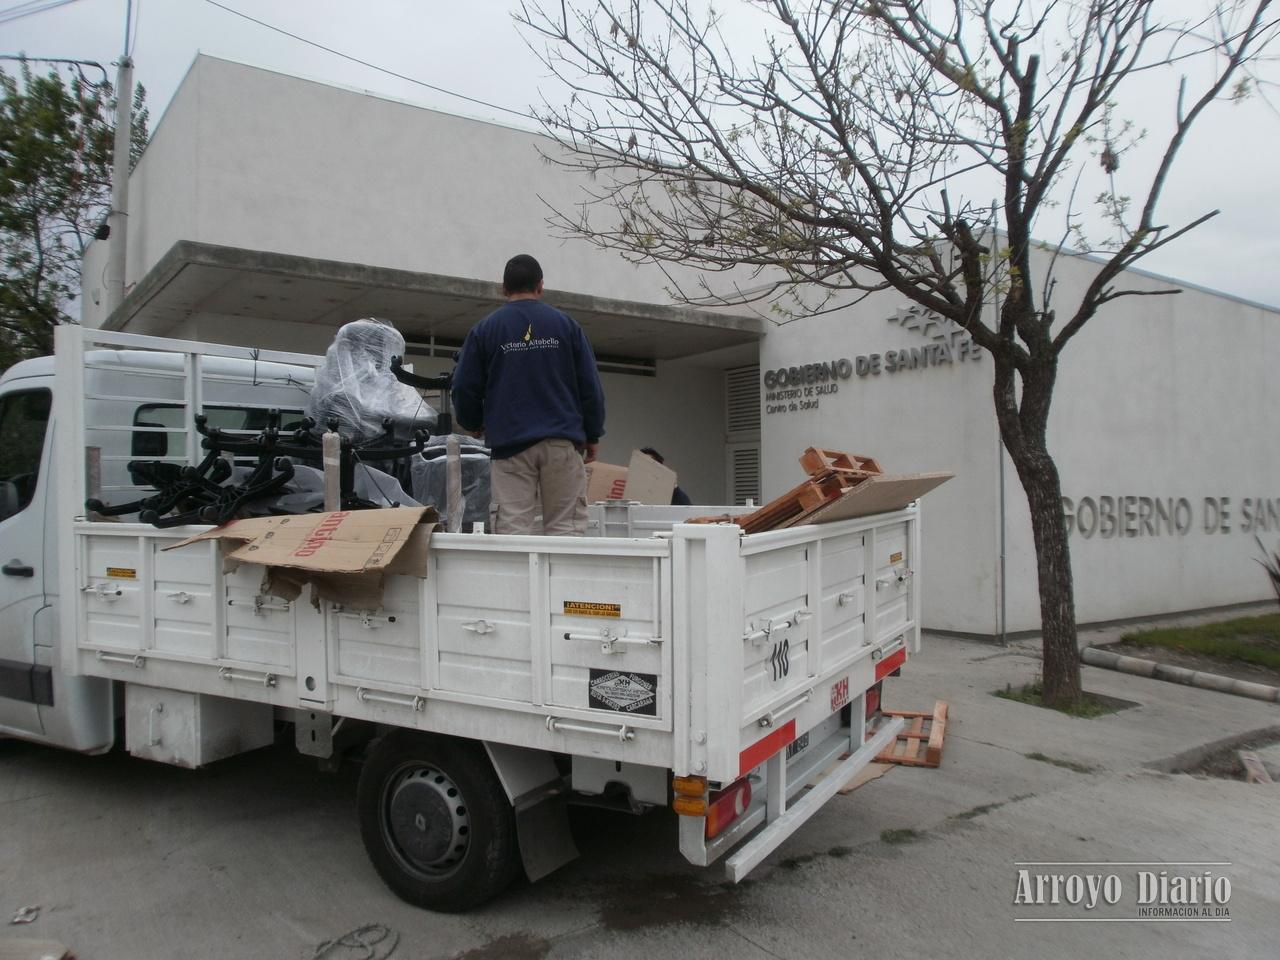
{"points": [[199, 278]]}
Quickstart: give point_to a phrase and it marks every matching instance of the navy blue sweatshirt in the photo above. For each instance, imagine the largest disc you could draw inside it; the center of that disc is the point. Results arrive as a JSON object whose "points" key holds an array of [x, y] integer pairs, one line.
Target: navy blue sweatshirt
{"points": [[526, 373]]}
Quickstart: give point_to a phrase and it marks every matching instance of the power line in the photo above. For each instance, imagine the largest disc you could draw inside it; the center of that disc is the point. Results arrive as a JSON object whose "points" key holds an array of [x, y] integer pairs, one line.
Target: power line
{"points": [[366, 63], [19, 6], [23, 58], [27, 10], [137, 21], [26, 5]]}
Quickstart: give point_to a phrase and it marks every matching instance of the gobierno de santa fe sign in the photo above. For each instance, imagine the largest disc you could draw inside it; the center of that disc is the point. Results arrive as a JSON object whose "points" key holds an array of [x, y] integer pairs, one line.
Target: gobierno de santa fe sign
{"points": [[802, 387]]}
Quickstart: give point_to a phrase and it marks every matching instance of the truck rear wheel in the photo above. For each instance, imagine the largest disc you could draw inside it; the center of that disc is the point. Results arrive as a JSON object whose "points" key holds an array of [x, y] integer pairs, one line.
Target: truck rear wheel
{"points": [[436, 822]]}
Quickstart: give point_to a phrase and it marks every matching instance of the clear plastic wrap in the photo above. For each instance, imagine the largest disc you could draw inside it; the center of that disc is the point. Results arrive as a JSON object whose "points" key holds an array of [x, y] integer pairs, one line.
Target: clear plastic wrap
{"points": [[356, 387], [430, 474]]}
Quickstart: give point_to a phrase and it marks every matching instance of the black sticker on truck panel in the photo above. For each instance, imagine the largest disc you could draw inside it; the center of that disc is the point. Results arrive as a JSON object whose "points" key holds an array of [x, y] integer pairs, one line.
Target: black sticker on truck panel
{"points": [[623, 692]]}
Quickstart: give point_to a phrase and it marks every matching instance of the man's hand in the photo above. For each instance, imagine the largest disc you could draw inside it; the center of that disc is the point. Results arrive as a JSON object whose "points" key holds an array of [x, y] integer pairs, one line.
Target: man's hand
{"points": [[589, 456]]}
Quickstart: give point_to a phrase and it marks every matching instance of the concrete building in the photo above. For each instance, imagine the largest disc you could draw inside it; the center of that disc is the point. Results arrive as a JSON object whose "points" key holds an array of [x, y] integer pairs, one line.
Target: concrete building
{"points": [[268, 210]]}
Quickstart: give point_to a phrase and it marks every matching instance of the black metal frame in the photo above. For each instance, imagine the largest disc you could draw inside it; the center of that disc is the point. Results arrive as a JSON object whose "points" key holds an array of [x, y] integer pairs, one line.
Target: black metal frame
{"points": [[200, 494]]}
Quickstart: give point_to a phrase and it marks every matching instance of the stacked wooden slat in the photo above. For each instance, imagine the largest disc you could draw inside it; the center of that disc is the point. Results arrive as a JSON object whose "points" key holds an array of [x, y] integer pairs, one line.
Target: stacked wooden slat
{"points": [[831, 475], [920, 743]]}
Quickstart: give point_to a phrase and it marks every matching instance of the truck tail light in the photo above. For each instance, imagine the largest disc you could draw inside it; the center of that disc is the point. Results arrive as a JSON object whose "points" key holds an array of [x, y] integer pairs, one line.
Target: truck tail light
{"points": [[726, 806], [873, 700], [690, 796]]}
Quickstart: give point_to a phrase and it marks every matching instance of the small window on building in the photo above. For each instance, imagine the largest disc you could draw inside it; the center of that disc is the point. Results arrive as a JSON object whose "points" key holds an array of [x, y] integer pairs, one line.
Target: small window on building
{"points": [[744, 472], [24, 415], [742, 432]]}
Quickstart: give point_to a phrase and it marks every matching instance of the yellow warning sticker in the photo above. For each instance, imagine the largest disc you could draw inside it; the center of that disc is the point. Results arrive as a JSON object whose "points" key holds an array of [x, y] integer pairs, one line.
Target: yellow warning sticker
{"points": [[896, 557], [584, 608], [122, 573]]}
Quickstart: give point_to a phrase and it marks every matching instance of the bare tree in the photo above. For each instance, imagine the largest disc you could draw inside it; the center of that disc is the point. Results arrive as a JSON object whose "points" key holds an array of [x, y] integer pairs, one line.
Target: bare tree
{"points": [[879, 144]]}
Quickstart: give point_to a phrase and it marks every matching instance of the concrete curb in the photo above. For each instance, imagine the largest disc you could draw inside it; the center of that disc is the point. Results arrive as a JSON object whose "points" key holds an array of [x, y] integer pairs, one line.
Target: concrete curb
{"points": [[1140, 667], [1187, 760]]}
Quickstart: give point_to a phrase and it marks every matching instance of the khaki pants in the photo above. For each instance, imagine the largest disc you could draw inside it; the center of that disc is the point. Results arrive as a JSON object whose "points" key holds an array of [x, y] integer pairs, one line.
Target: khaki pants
{"points": [[549, 475]]}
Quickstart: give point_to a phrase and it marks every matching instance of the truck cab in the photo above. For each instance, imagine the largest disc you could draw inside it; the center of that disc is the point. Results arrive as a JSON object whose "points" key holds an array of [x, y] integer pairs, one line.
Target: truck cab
{"points": [[37, 702]]}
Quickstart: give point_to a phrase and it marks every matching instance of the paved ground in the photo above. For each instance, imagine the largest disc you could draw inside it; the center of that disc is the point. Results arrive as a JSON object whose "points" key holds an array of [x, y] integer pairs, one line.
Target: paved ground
{"points": [[259, 857]]}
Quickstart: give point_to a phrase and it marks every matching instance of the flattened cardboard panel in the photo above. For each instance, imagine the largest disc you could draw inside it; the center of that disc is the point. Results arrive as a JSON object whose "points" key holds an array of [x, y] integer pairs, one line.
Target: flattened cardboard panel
{"points": [[649, 481], [645, 480], [352, 541], [878, 494], [605, 481], [343, 554]]}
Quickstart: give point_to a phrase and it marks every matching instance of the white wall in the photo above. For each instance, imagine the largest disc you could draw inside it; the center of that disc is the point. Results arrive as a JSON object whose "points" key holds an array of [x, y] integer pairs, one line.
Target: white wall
{"points": [[919, 420], [1169, 397], [262, 161], [680, 413], [1158, 397]]}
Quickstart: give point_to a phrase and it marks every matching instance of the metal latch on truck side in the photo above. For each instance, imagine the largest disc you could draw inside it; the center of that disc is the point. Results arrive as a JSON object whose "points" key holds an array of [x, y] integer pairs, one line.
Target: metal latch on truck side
{"points": [[262, 605], [608, 637], [622, 733], [103, 592], [413, 702], [130, 659], [762, 629], [773, 716], [899, 576], [250, 676]]}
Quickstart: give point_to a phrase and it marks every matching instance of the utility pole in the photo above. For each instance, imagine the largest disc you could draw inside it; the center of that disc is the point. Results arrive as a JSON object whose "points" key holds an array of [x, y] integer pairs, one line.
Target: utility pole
{"points": [[118, 218]]}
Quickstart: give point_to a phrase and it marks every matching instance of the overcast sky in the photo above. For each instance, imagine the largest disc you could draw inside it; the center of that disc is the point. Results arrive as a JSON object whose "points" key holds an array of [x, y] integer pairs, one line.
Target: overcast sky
{"points": [[472, 48]]}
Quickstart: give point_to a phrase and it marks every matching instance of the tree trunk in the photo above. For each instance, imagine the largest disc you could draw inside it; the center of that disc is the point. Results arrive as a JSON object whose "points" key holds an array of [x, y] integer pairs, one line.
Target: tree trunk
{"points": [[1023, 428], [1039, 475]]}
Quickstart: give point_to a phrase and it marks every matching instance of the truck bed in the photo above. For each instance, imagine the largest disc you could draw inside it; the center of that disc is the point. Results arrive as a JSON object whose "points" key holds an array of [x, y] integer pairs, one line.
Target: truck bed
{"points": [[686, 649], [689, 647]]}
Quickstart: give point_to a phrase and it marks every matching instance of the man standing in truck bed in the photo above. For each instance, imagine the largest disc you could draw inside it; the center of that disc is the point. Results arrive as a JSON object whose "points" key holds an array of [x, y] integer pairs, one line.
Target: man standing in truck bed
{"points": [[526, 378]]}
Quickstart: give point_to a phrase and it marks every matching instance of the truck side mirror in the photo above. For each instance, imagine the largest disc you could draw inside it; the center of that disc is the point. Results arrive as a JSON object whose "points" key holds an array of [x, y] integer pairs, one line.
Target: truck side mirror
{"points": [[10, 501]]}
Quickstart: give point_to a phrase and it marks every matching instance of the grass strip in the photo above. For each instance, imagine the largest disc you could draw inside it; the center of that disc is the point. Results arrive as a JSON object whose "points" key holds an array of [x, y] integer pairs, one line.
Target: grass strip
{"points": [[1253, 640]]}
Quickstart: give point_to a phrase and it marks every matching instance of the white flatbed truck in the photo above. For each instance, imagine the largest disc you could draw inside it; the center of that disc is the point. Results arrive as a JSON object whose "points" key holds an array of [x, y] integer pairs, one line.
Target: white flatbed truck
{"points": [[653, 662]]}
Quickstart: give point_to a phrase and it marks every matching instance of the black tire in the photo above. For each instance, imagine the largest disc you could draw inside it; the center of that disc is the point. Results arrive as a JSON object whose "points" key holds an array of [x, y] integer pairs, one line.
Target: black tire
{"points": [[436, 822]]}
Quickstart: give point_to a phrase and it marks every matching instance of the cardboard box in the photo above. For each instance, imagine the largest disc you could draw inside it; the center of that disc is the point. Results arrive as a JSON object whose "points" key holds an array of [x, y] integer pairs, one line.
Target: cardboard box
{"points": [[605, 481], [344, 555], [645, 480]]}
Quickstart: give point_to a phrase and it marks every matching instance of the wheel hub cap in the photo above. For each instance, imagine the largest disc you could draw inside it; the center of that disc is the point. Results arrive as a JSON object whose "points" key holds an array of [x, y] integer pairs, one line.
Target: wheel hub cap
{"points": [[427, 819]]}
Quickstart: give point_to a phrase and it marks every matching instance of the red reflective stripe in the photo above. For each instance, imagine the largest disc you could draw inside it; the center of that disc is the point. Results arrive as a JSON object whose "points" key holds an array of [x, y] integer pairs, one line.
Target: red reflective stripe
{"points": [[762, 750], [886, 667]]}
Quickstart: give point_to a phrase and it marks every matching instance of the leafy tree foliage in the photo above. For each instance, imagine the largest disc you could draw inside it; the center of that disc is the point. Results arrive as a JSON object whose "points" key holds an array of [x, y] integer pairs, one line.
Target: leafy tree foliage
{"points": [[56, 145]]}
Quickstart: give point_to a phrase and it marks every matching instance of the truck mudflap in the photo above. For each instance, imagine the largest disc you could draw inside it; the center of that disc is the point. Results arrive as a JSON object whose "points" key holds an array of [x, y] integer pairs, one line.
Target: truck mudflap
{"points": [[786, 793]]}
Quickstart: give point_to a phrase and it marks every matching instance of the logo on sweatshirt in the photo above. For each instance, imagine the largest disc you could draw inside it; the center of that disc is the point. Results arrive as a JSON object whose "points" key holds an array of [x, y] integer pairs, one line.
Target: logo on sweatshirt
{"points": [[530, 342]]}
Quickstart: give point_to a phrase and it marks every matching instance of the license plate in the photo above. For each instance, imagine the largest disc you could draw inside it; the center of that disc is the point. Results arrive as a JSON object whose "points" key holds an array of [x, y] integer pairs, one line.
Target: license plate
{"points": [[798, 745]]}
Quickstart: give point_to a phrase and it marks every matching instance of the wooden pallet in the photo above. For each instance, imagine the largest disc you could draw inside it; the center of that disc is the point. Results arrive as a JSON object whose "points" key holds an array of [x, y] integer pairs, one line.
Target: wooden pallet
{"points": [[832, 475], [920, 744], [817, 461]]}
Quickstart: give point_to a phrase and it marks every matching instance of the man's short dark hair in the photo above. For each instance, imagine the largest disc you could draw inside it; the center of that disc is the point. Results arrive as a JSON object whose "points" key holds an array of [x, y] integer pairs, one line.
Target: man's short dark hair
{"points": [[652, 453], [522, 274]]}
